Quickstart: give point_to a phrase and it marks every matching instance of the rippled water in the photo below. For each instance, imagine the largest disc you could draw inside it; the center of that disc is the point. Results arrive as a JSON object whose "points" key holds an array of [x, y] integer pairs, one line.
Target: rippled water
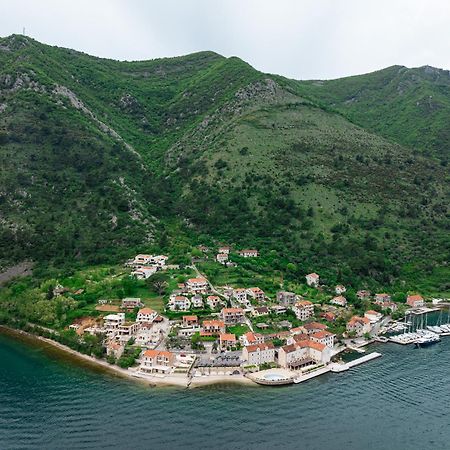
{"points": [[399, 401]]}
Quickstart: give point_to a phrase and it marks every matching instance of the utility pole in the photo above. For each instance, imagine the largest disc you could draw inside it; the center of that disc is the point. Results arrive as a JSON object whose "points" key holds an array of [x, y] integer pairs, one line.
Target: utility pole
{"points": [[23, 32]]}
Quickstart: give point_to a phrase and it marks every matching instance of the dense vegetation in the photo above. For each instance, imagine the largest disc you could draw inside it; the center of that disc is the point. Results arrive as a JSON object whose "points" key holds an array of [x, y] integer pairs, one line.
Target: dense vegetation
{"points": [[101, 159]]}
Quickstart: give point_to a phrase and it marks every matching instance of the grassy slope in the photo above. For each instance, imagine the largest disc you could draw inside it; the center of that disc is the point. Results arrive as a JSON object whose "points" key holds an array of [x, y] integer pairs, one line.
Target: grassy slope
{"points": [[409, 106]]}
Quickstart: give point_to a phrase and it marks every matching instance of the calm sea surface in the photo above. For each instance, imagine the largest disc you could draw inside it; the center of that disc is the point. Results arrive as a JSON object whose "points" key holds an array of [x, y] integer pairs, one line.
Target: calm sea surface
{"points": [[399, 401]]}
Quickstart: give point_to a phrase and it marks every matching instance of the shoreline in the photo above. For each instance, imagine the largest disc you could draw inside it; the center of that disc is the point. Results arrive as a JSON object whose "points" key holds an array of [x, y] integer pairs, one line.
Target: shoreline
{"points": [[151, 381]]}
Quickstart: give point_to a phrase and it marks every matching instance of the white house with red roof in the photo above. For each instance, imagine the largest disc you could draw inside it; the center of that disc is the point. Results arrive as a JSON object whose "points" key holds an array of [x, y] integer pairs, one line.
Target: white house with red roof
{"points": [[232, 315], [339, 301], [373, 316], [415, 301], [179, 303], [258, 354], [240, 295], [303, 309], [222, 258], [157, 361], [212, 327], [197, 285], [323, 337], [251, 338], [358, 325], [256, 293], [303, 353], [146, 315], [227, 340], [340, 289], [312, 279]]}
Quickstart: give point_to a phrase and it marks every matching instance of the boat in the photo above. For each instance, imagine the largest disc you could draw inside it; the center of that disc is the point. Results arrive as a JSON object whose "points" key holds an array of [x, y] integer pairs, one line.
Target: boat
{"points": [[427, 339]]}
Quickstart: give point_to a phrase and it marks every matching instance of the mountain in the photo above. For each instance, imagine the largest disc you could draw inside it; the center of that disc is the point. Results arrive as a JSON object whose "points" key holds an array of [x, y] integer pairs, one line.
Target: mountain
{"points": [[409, 106], [102, 158]]}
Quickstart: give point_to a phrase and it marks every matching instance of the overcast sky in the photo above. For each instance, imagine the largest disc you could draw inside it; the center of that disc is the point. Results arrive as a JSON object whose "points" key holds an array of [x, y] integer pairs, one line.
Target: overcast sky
{"points": [[300, 39]]}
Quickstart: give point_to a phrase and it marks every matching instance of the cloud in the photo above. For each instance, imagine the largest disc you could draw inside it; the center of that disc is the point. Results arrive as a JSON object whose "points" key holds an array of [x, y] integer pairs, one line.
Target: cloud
{"points": [[296, 38]]}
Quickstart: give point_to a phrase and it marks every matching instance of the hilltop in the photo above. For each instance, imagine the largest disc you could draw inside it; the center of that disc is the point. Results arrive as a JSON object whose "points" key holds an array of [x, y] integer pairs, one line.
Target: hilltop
{"points": [[102, 158]]}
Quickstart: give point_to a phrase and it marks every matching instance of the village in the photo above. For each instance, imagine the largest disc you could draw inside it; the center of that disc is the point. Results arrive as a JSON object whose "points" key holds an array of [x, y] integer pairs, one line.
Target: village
{"points": [[210, 333]]}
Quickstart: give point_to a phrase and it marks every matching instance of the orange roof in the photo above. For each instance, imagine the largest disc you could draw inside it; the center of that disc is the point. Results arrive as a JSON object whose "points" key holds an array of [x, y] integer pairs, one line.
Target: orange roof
{"points": [[253, 348], [256, 289], [311, 344], [190, 318], [304, 303], [227, 337], [250, 336], [322, 334], [371, 311], [232, 310], [155, 353], [146, 311], [358, 319], [300, 337], [313, 275], [213, 297], [213, 323], [315, 326], [415, 298], [197, 280]]}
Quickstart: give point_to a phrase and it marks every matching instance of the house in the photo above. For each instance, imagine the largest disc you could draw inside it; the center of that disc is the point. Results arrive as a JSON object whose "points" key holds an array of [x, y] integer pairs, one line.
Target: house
{"points": [[240, 295], [312, 279], [323, 337], [212, 327], [248, 253], [251, 338], [303, 309], [297, 338], [146, 315], [261, 311], [328, 316], [232, 315], [144, 272], [373, 316], [197, 301], [131, 303], [339, 301], [302, 354], [222, 258], [415, 301], [256, 294], [392, 306], [141, 259], [362, 294], [197, 285], [279, 309], [179, 303], [340, 289], [157, 361], [113, 321], [358, 325], [258, 354], [127, 330], [213, 301], [113, 348], [190, 321], [382, 298], [159, 260], [286, 298], [313, 327], [227, 340], [225, 250]]}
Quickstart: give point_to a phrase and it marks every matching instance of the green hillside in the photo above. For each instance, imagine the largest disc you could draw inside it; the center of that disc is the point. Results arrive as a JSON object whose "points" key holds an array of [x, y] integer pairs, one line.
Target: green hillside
{"points": [[409, 106], [103, 158]]}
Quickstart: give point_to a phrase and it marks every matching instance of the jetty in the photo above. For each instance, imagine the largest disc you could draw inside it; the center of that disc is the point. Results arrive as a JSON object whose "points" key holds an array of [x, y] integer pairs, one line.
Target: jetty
{"points": [[337, 367]]}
